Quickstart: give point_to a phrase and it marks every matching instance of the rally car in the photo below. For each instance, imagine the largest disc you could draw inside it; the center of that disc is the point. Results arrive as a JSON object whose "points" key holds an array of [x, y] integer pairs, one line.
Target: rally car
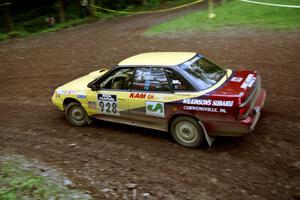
{"points": [[179, 92]]}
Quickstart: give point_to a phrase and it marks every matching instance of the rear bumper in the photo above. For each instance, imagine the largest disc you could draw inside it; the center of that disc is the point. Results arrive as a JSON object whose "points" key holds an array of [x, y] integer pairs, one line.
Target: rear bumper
{"points": [[240, 127]]}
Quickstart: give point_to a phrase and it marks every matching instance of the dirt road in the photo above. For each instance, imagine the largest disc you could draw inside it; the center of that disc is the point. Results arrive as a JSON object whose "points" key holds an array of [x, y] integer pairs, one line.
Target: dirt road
{"points": [[262, 165]]}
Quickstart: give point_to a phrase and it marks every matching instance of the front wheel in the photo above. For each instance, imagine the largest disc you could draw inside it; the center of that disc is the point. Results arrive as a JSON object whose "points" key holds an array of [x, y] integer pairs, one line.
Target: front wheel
{"points": [[187, 132], [76, 114]]}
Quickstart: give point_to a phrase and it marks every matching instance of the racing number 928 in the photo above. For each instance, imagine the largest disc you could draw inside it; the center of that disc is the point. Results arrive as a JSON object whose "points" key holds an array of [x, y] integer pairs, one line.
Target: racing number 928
{"points": [[108, 107], [108, 103]]}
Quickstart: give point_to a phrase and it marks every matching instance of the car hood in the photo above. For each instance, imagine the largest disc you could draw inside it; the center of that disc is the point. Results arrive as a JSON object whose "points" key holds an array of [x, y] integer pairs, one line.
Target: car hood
{"points": [[81, 83]]}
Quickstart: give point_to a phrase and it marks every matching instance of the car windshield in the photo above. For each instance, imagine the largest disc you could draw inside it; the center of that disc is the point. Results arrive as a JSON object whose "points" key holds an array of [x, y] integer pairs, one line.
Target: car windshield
{"points": [[203, 72]]}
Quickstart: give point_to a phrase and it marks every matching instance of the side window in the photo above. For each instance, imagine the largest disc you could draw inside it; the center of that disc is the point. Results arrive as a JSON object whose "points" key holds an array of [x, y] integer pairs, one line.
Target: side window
{"points": [[150, 79], [178, 82], [119, 79]]}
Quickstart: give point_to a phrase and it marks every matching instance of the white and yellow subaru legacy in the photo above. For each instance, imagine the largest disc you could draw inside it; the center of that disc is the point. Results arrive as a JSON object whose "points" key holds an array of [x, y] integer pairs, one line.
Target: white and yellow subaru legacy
{"points": [[178, 92]]}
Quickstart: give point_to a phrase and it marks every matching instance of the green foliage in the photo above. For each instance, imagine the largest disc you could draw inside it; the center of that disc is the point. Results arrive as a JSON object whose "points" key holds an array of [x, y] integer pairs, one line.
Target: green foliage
{"points": [[286, 2], [17, 183], [3, 36], [156, 5], [153, 3], [30, 20], [107, 16], [13, 34], [65, 25], [22, 31], [234, 13]]}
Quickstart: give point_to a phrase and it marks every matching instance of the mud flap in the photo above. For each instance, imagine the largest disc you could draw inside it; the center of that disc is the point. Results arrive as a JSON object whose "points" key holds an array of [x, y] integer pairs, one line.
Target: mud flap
{"points": [[208, 138], [89, 120]]}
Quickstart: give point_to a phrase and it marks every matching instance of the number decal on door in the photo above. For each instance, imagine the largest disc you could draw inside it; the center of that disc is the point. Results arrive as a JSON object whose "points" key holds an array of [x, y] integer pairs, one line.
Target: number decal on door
{"points": [[101, 105], [108, 104]]}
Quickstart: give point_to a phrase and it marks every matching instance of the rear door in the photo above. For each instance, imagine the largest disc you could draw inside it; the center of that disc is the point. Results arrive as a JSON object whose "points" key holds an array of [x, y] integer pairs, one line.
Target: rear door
{"points": [[150, 89]]}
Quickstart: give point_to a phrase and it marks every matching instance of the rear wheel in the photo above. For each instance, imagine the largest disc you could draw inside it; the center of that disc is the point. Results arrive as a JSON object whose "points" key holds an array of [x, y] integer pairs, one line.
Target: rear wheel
{"points": [[187, 132], [76, 114]]}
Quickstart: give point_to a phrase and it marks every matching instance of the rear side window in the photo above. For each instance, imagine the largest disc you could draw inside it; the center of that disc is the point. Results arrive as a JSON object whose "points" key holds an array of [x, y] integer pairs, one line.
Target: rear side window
{"points": [[178, 82], [150, 79], [204, 72]]}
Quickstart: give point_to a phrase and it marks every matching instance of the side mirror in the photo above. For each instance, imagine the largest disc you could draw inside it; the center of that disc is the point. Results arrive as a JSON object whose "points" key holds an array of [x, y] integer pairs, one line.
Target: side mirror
{"points": [[93, 87]]}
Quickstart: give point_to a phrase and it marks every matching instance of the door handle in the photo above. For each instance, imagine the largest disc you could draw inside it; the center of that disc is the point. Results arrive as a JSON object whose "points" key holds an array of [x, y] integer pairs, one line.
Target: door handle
{"points": [[121, 99]]}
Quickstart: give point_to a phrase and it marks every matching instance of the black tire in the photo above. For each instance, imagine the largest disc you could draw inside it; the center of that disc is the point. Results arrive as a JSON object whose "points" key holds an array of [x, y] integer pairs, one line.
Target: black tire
{"points": [[76, 114], [187, 132]]}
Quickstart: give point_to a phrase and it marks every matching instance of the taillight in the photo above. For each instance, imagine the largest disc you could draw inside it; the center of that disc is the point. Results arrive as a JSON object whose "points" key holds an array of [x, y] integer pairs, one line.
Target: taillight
{"points": [[242, 112]]}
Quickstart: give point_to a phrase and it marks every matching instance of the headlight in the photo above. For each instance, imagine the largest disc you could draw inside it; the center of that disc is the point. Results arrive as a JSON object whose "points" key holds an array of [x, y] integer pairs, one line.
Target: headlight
{"points": [[56, 95]]}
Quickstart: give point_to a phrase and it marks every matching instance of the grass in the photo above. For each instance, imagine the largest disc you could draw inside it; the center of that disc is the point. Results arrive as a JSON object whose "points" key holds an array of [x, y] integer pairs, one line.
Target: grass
{"points": [[235, 13], [285, 2], [18, 183], [27, 29]]}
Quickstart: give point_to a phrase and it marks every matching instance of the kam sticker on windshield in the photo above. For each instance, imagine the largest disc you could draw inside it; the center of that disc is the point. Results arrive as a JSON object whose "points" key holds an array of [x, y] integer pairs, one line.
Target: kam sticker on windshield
{"points": [[155, 108], [142, 75], [108, 104]]}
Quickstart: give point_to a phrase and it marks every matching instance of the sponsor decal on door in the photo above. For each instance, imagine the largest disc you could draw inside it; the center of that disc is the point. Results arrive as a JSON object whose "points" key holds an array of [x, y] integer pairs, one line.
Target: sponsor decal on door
{"points": [[155, 108]]}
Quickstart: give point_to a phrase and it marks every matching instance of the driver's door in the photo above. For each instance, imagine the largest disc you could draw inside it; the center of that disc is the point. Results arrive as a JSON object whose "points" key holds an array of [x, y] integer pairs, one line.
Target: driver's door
{"points": [[110, 101]]}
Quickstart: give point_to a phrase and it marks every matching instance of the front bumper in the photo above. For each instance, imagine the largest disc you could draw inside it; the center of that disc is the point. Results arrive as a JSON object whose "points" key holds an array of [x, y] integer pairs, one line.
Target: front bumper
{"points": [[240, 127], [58, 102]]}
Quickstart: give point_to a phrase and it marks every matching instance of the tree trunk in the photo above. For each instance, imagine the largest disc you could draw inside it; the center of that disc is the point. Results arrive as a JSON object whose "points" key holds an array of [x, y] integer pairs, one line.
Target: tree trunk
{"points": [[8, 24], [92, 8], [211, 13], [61, 11], [144, 2]]}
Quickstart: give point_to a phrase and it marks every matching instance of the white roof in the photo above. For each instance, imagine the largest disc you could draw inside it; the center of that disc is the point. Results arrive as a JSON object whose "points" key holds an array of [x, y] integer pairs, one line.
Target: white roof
{"points": [[158, 59]]}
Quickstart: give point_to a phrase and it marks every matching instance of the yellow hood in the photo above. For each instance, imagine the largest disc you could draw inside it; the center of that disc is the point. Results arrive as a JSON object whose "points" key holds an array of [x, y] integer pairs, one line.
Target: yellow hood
{"points": [[82, 82]]}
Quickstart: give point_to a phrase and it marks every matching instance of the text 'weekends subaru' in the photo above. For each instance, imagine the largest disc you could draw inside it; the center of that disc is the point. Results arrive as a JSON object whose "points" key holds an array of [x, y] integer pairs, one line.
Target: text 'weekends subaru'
{"points": [[180, 92]]}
